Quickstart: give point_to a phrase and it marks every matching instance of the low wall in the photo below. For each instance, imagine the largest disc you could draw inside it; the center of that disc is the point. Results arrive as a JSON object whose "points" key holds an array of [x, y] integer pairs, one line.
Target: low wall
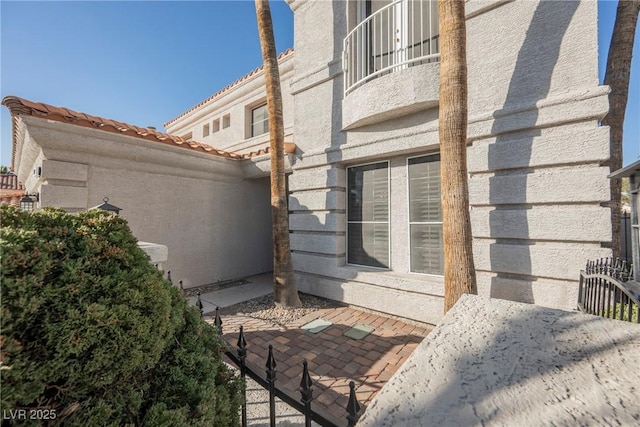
{"points": [[501, 363]]}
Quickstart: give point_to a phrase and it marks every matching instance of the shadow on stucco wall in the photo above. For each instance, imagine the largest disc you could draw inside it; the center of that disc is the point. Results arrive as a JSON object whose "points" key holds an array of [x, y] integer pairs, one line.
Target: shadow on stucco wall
{"points": [[524, 363], [530, 82]]}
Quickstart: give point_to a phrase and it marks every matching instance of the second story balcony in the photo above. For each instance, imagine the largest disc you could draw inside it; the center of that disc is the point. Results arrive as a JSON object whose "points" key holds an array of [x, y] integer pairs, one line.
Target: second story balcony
{"points": [[391, 36]]}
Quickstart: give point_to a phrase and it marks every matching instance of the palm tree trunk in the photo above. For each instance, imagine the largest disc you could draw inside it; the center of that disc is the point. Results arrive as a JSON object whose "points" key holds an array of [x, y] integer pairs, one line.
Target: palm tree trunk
{"points": [[617, 78], [285, 292], [459, 271]]}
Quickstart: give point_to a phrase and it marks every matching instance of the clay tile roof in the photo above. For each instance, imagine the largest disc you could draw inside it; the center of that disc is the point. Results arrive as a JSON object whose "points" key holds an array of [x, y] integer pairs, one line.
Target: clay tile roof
{"points": [[9, 181], [19, 106], [226, 88], [11, 190], [12, 198], [289, 148]]}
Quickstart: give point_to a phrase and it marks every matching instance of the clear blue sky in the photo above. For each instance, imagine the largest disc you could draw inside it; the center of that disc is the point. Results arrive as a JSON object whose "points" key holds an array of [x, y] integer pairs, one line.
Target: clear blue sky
{"points": [[146, 62]]}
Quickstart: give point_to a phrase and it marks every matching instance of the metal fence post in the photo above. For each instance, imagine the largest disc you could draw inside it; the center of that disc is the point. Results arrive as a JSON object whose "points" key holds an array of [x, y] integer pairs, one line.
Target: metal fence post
{"points": [[307, 393], [198, 303], [353, 407], [271, 379], [242, 355], [217, 321]]}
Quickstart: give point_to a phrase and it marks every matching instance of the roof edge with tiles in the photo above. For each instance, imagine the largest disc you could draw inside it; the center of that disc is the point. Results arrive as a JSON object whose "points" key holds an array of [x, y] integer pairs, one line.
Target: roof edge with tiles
{"points": [[22, 107], [225, 89]]}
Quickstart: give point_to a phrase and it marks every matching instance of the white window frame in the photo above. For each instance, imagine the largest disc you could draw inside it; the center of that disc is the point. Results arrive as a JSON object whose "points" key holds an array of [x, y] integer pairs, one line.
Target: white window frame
{"points": [[409, 222], [388, 162], [251, 122]]}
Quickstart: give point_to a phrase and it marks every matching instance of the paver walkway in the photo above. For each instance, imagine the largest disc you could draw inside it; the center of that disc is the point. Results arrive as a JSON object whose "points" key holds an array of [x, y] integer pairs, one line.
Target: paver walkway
{"points": [[334, 359]]}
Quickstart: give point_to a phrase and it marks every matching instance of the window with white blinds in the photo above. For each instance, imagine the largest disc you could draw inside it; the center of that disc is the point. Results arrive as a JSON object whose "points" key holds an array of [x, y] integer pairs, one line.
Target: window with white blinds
{"points": [[259, 120], [368, 215], [425, 215]]}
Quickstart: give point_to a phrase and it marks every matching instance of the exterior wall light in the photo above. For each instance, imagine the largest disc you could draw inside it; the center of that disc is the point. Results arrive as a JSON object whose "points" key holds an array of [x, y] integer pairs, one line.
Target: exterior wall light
{"points": [[106, 206], [28, 201]]}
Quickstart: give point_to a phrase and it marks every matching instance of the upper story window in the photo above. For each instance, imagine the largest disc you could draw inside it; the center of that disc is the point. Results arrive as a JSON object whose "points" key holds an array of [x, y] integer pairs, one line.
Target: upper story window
{"points": [[368, 215], [390, 36], [187, 137], [216, 125], [425, 215], [226, 121], [259, 120], [205, 130]]}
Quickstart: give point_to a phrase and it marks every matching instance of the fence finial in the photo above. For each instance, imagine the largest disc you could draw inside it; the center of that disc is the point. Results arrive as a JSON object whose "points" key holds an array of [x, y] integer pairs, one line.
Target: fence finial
{"points": [[241, 344], [198, 303], [217, 322], [307, 393], [353, 407], [271, 363]]}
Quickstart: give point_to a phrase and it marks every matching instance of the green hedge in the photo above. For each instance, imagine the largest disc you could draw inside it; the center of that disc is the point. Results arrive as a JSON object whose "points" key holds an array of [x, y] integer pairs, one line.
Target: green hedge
{"points": [[91, 330]]}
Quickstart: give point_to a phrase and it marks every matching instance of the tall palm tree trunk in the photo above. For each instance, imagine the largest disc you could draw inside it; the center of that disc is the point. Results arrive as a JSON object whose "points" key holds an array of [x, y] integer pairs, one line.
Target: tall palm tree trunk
{"points": [[617, 77], [459, 271], [285, 292]]}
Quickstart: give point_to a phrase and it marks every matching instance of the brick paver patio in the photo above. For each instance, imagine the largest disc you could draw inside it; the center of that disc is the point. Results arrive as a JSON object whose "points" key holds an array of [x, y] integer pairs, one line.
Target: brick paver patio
{"points": [[334, 359]]}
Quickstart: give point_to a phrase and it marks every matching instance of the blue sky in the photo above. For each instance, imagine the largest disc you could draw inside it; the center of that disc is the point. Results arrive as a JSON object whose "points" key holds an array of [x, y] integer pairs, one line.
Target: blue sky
{"points": [[146, 62]]}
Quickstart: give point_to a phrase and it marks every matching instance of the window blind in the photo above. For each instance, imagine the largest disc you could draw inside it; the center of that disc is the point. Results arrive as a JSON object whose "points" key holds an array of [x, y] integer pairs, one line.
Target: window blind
{"points": [[368, 215], [425, 215]]}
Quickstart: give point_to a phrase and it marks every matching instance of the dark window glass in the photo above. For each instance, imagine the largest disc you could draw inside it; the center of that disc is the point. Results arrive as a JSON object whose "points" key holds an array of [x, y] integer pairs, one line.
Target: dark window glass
{"points": [[368, 215]]}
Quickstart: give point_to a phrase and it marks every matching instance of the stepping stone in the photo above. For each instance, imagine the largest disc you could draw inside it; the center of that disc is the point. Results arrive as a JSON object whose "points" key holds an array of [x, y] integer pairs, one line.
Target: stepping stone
{"points": [[316, 326], [358, 332]]}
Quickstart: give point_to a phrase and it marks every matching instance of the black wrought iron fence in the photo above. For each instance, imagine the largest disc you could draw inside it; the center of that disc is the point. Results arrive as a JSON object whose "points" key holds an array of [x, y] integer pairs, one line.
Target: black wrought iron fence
{"points": [[268, 381], [603, 291]]}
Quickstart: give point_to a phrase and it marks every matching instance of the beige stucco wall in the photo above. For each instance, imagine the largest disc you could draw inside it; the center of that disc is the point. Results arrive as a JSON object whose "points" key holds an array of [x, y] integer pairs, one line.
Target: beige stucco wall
{"points": [[215, 223], [238, 102], [535, 149]]}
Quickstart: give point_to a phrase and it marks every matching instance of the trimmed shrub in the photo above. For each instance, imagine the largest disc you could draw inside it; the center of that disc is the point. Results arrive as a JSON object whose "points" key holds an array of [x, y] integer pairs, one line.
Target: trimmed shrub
{"points": [[91, 330]]}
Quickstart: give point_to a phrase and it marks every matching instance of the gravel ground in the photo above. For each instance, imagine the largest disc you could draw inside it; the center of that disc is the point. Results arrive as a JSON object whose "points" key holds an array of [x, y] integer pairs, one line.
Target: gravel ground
{"points": [[265, 309], [258, 408]]}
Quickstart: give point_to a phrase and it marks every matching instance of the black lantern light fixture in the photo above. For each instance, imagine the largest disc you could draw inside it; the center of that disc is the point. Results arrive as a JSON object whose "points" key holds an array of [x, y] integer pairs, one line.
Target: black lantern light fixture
{"points": [[106, 206], [28, 201]]}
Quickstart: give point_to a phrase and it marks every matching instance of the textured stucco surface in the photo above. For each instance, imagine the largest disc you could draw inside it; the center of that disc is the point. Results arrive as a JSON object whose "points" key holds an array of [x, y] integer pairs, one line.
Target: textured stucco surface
{"points": [[215, 224], [534, 155], [238, 102], [500, 363]]}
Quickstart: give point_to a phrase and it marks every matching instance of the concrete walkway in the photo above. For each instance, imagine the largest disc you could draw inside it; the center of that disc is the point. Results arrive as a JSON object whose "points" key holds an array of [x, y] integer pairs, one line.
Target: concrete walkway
{"points": [[258, 286]]}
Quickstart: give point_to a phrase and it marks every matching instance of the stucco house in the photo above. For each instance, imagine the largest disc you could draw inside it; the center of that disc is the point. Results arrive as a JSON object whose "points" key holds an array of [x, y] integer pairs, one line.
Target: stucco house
{"points": [[360, 96]]}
